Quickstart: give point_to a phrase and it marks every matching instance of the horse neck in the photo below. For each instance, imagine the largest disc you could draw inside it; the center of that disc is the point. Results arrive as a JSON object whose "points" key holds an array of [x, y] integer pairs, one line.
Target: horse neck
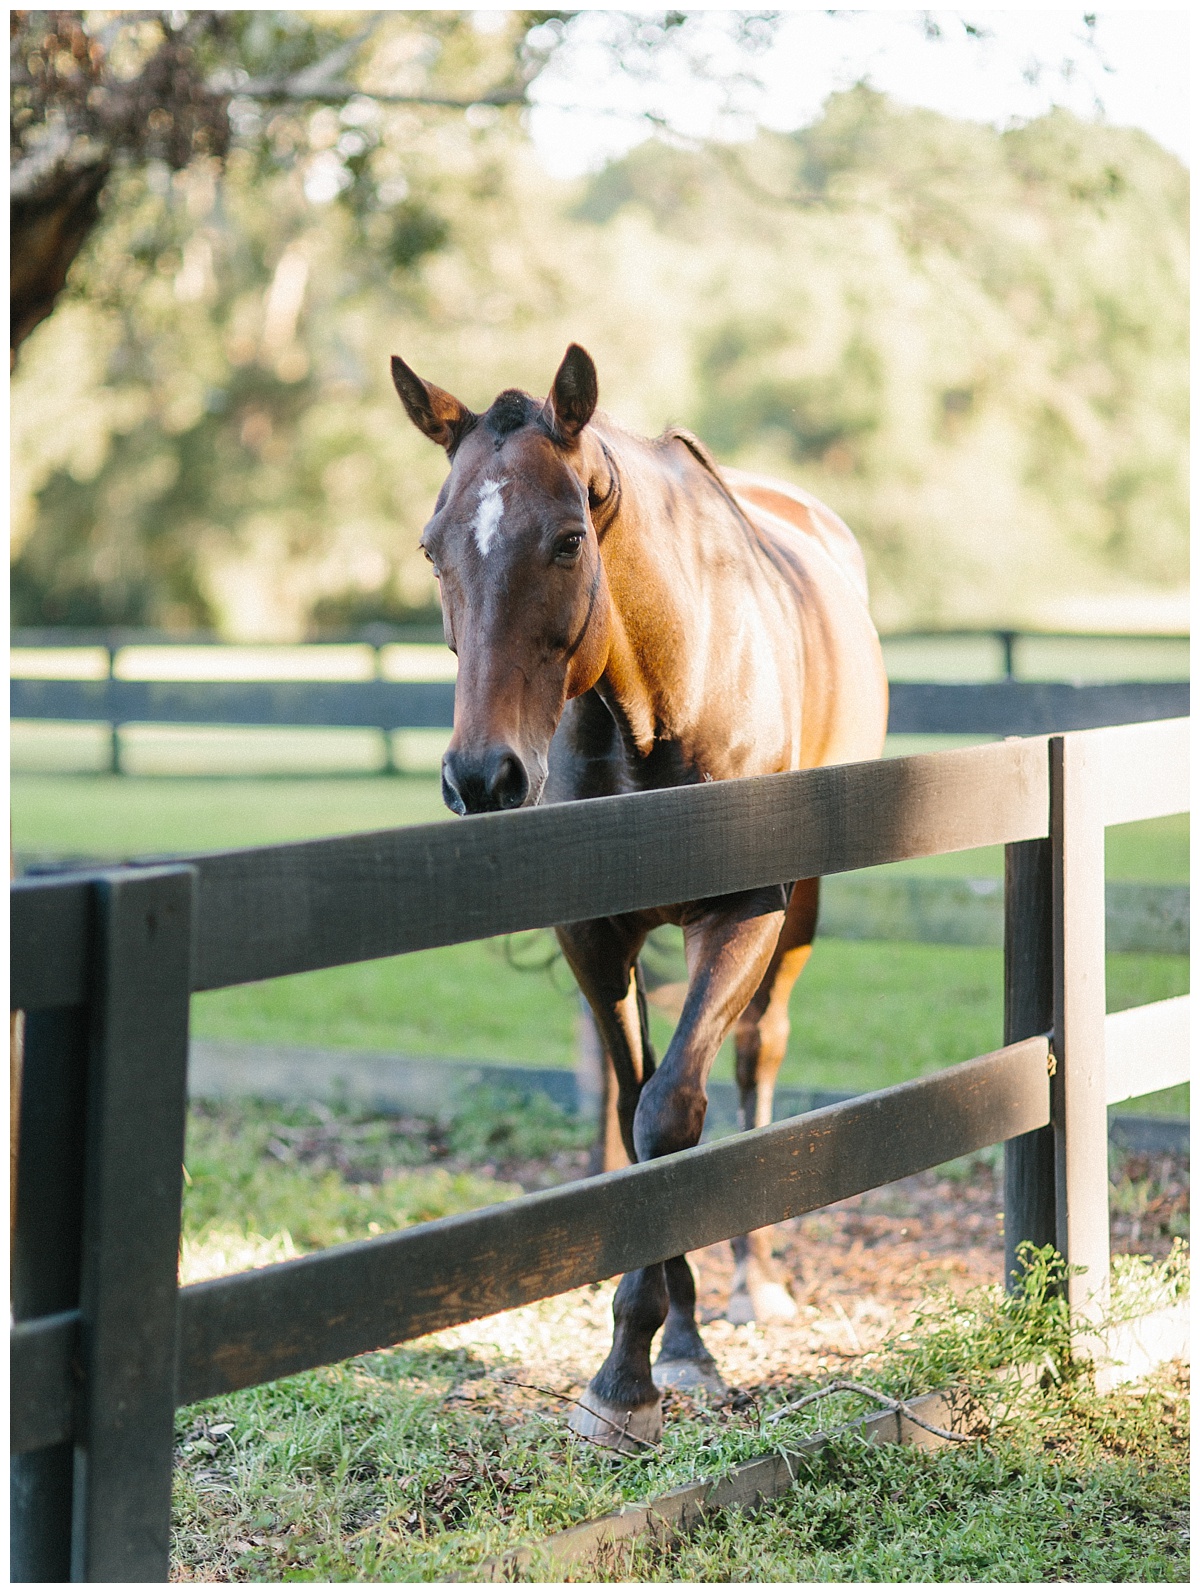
{"points": [[650, 556]]}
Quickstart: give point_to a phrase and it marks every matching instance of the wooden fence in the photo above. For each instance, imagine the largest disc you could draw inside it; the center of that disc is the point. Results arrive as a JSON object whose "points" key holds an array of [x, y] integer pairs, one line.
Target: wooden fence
{"points": [[106, 1344]]}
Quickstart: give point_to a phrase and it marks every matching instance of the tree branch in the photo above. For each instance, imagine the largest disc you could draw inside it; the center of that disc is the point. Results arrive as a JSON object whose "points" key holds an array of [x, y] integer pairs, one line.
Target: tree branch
{"points": [[321, 83], [278, 90]]}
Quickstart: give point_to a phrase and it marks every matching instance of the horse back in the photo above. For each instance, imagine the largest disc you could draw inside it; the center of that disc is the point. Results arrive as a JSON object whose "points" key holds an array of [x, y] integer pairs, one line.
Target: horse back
{"points": [[807, 514], [845, 694]]}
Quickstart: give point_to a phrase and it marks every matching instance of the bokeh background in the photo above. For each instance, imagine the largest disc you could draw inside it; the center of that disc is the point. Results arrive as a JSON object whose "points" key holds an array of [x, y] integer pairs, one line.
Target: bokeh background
{"points": [[964, 327]]}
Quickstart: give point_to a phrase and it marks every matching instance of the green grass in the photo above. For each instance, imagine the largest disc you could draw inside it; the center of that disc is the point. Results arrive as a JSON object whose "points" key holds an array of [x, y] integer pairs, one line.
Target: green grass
{"points": [[915, 1008], [1007, 1513], [1064, 1486], [456, 1001], [418, 1463], [107, 816], [267, 1174]]}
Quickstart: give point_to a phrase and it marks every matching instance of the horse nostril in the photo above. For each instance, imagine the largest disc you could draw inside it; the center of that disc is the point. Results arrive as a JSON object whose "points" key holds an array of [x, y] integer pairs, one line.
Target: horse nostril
{"points": [[451, 795], [508, 783], [483, 784]]}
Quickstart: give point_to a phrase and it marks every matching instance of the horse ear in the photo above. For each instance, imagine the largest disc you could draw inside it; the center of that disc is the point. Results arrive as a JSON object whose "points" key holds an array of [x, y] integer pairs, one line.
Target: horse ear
{"points": [[439, 415], [572, 400]]}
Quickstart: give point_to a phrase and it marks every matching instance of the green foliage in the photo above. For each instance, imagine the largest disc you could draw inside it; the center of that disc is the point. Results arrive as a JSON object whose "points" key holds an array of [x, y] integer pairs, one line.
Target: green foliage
{"points": [[1139, 1287], [265, 1183], [971, 344], [240, 462], [1069, 1485], [891, 1513], [988, 1332]]}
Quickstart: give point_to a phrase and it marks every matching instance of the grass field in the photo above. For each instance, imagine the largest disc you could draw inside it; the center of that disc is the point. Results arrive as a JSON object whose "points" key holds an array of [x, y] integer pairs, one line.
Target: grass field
{"points": [[915, 1007], [414, 1464]]}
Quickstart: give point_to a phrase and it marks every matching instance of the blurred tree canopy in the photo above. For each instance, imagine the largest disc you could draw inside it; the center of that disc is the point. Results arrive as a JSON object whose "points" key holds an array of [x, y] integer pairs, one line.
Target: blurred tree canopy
{"points": [[972, 344]]}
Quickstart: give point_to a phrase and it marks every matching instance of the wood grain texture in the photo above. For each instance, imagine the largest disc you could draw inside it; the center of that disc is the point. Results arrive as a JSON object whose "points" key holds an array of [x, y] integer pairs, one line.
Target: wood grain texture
{"points": [[269, 911], [137, 1101], [282, 1319], [286, 909], [1147, 1048], [1029, 1177], [46, 1245], [1027, 707], [49, 930], [1139, 919]]}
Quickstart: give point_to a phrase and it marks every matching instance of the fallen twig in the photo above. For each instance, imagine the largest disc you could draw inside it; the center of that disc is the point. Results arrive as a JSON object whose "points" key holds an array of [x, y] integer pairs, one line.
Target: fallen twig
{"points": [[840, 1386]]}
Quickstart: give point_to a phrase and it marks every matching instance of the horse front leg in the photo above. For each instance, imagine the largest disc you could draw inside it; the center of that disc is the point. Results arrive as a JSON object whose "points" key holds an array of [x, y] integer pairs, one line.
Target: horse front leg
{"points": [[602, 954], [760, 1286], [729, 942]]}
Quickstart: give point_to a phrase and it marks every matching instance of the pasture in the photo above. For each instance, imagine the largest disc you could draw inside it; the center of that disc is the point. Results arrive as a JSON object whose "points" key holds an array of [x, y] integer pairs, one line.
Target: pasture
{"points": [[419, 1462]]}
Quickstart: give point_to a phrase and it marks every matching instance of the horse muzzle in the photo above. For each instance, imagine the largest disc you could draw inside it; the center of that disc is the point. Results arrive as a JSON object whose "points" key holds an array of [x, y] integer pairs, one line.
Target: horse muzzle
{"points": [[489, 782]]}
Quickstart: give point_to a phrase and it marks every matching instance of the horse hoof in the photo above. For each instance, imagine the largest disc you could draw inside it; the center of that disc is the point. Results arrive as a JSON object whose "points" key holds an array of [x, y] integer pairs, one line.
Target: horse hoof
{"points": [[767, 1302], [772, 1303], [690, 1377], [628, 1432], [740, 1309]]}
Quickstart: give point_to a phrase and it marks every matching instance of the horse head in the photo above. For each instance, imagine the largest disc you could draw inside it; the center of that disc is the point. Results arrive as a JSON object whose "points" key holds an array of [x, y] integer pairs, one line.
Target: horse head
{"points": [[517, 557]]}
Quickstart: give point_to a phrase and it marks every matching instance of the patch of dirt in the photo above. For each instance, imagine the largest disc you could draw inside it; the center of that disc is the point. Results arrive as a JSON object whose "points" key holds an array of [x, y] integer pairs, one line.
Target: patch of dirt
{"points": [[859, 1269]]}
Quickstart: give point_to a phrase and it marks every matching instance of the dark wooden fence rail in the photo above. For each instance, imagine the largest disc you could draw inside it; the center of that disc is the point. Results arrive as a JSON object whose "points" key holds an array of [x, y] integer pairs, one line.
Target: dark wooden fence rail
{"points": [[1004, 707], [105, 1344]]}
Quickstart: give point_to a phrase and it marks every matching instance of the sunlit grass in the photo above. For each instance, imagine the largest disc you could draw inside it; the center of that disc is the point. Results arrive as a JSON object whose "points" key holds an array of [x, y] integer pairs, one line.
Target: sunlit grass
{"points": [[420, 1462]]}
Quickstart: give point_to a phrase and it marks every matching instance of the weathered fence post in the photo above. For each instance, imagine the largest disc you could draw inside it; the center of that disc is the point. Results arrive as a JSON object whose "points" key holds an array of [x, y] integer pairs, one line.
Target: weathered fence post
{"points": [[1029, 1176], [136, 1106], [103, 1102], [45, 1266], [1078, 1097]]}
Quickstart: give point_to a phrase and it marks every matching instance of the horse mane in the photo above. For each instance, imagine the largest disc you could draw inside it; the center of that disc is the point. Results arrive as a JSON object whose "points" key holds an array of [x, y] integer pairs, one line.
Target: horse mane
{"points": [[699, 452], [697, 449]]}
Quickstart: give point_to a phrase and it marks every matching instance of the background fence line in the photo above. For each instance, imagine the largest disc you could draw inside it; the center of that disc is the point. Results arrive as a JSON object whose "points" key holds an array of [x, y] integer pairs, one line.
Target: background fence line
{"points": [[1005, 706]]}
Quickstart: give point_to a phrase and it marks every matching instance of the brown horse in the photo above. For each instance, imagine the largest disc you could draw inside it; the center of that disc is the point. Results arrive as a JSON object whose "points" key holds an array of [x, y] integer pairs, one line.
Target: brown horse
{"points": [[629, 616]]}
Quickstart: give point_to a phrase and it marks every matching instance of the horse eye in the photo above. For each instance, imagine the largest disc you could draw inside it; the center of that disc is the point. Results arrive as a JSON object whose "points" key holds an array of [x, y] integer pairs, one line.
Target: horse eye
{"points": [[566, 549]]}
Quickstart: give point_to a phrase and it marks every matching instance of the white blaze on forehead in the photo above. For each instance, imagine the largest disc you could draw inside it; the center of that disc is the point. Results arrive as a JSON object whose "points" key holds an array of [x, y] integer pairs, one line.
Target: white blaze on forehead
{"points": [[489, 513]]}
